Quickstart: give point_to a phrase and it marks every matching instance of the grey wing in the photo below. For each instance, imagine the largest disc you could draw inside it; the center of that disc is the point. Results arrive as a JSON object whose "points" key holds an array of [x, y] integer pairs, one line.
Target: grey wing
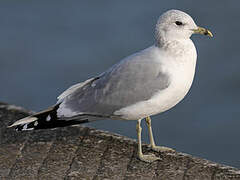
{"points": [[73, 88], [131, 81]]}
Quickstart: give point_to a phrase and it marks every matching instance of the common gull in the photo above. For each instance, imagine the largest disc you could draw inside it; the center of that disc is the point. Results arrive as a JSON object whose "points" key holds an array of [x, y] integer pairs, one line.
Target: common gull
{"points": [[146, 83]]}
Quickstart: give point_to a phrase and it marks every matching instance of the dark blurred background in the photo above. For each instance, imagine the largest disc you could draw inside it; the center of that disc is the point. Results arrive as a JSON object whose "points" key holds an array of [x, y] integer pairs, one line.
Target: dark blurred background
{"points": [[47, 46]]}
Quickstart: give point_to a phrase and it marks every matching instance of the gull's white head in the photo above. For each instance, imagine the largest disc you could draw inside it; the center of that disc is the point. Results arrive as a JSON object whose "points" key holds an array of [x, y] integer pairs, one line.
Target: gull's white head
{"points": [[177, 25]]}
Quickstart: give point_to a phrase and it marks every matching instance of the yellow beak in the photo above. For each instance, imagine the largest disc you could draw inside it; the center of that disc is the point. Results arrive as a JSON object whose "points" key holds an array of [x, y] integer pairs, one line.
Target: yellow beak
{"points": [[203, 31]]}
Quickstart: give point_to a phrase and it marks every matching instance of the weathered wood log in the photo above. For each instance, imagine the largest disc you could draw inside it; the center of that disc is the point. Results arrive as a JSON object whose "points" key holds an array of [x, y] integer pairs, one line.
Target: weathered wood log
{"points": [[79, 152]]}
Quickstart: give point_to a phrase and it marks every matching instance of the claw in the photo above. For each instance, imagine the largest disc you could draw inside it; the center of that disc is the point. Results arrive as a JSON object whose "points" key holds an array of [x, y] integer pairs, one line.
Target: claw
{"points": [[149, 158], [162, 149]]}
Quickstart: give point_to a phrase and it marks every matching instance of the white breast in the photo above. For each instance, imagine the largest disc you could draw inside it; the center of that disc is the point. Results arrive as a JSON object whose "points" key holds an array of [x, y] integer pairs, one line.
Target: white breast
{"points": [[181, 72], [181, 80]]}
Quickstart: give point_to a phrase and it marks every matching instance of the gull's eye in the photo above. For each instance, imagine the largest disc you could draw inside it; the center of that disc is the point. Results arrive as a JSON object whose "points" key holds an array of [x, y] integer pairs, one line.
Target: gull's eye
{"points": [[179, 23]]}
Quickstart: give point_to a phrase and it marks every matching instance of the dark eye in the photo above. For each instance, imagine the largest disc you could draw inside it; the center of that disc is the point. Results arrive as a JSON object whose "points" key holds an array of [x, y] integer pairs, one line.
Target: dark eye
{"points": [[179, 23]]}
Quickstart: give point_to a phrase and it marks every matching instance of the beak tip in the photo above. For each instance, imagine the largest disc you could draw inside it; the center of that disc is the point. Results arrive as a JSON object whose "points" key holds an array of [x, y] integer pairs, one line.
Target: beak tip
{"points": [[208, 33]]}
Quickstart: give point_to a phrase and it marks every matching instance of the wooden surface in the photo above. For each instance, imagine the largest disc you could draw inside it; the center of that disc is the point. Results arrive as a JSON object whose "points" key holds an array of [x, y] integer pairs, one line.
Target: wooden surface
{"points": [[83, 153]]}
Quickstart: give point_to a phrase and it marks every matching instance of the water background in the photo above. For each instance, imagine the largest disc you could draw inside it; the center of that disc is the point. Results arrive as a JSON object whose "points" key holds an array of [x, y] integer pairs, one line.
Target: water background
{"points": [[46, 46]]}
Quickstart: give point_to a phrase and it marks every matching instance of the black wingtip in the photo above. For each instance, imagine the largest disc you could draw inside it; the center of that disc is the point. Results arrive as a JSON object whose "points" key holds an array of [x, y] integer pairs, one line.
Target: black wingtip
{"points": [[48, 119]]}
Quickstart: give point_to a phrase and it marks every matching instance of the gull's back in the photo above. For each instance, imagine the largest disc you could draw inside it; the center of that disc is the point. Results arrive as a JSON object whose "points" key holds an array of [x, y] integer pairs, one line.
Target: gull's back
{"points": [[134, 79]]}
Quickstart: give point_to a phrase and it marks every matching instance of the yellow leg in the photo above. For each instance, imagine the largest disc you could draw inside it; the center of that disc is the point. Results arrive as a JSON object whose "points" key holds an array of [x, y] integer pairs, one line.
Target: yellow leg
{"points": [[152, 143], [146, 158]]}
